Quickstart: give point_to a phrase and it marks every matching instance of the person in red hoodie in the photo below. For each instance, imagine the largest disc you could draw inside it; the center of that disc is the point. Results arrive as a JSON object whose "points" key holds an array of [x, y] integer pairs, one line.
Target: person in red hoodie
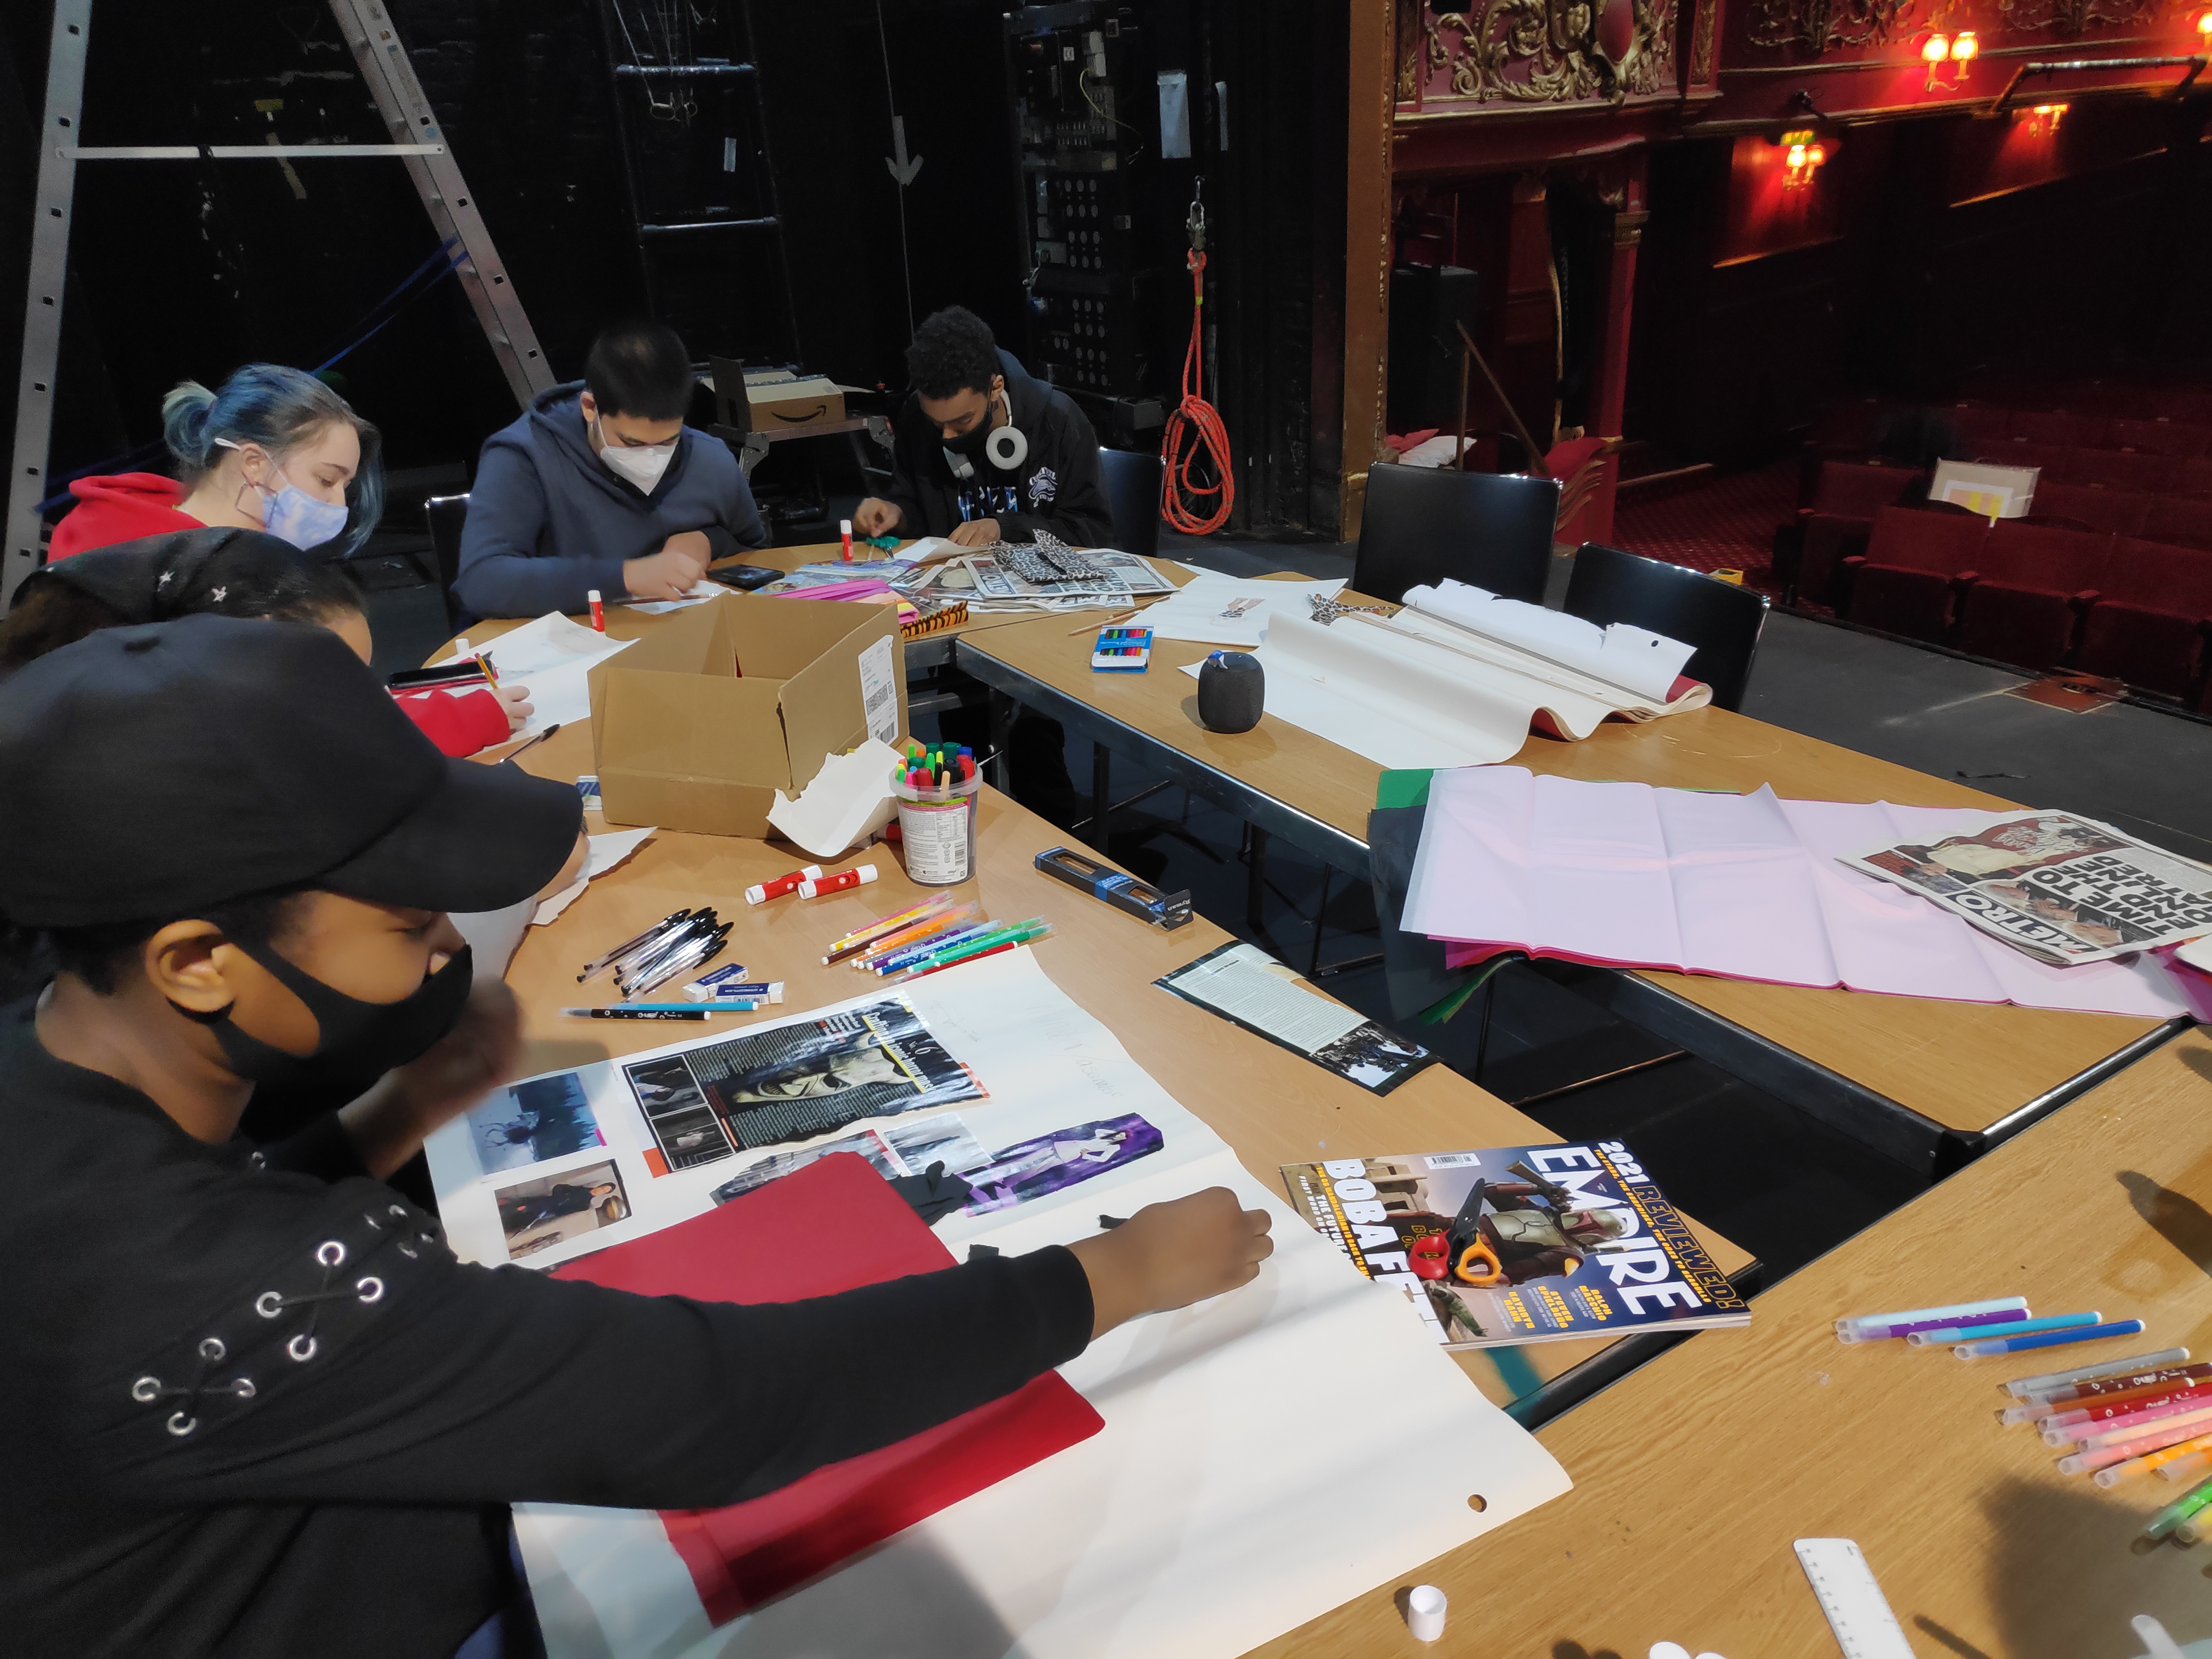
{"points": [[274, 450], [232, 573]]}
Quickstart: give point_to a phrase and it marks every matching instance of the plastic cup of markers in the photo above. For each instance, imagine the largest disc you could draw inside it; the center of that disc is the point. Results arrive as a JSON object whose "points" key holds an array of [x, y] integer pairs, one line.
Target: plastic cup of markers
{"points": [[938, 831]]}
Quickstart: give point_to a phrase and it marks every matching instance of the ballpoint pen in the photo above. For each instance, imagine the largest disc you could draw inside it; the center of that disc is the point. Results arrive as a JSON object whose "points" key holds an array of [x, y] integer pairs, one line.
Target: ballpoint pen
{"points": [[600, 964], [699, 926], [660, 972]]}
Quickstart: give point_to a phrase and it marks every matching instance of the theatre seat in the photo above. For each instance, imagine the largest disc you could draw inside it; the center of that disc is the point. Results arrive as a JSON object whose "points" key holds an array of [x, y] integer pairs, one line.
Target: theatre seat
{"points": [[2149, 623], [2178, 520], [2190, 478], [2116, 469], [1915, 564], [2120, 511], [2180, 441], [1860, 489], [2034, 584], [1827, 539]]}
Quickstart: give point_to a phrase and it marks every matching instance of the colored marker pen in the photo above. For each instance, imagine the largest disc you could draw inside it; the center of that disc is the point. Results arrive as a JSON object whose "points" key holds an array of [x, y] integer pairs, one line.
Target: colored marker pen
{"points": [[1936, 1339], [682, 1010], [1910, 1316], [2020, 1387], [2048, 1339], [761, 892], [1947, 1321], [598, 610], [859, 876]]}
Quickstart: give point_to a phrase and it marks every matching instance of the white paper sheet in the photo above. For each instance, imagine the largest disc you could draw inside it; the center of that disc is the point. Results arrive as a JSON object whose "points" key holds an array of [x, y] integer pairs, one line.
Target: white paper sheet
{"points": [[602, 854], [698, 593], [554, 657], [1645, 663], [1217, 610], [849, 800], [1267, 1454], [1744, 886], [494, 934], [1248, 983], [932, 549]]}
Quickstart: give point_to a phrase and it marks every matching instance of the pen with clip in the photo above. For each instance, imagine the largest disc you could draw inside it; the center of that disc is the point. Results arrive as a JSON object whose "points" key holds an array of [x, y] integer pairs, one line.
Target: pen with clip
{"points": [[697, 954], [698, 924], [600, 964], [620, 1012]]}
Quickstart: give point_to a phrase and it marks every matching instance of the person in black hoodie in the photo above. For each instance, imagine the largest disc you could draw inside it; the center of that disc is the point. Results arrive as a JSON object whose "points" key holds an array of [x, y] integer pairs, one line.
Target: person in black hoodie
{"points": [[983, 452], [601, 485]]}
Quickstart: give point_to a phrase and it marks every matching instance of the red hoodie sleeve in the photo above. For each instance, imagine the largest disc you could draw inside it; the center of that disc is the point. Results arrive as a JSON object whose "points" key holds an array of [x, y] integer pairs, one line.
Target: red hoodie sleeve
{"points": [[458, 726]]}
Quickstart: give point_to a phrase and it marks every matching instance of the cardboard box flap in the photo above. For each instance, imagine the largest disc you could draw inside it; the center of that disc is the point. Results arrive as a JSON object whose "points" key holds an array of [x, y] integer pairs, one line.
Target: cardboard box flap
{"points": [[698, 727], [822, 713], [776, 635]]}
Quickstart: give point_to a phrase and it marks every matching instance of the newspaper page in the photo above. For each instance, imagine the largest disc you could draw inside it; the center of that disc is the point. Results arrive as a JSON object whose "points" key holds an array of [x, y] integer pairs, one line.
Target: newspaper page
{"points": [[2060, 888]]}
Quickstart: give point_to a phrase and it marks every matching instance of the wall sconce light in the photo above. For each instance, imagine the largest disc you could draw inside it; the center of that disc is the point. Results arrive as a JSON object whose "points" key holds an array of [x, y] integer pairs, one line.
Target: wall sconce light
{"points": [[1959, 50], [1803, 156], [2204, 26], [2043, 120]]}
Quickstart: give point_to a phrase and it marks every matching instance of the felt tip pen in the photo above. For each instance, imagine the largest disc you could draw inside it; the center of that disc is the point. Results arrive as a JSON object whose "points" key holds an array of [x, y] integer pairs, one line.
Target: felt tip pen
{"points": [[1947, 1321], [639, 1012], [1912, 1316], [939, 967], [598, 610], [862, 939], [764, 891], [2113, 1474], [2126, 1405], [990, 945], [859, 876], [2129, 1385], [2156, 1419], [734, 1005], [2178, 1511], [935, 926], [2185, 1468], [1936, 1339], [2021, 1386], [906, 956], [2048, 1339], [996, 933]]}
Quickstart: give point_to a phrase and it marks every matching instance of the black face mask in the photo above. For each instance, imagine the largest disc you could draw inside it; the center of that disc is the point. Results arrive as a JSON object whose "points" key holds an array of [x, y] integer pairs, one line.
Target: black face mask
{"points": [[360, 1040], [969, 444]]}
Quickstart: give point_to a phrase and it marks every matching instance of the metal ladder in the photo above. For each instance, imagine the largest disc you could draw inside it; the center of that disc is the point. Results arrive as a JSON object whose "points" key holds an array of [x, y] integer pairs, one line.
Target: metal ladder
{"points": [[635, 71], [417, 139]]}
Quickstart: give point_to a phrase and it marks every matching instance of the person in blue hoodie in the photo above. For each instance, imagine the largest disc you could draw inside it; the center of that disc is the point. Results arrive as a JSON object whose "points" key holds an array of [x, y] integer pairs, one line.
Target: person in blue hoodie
{"points": [[601, 485]]}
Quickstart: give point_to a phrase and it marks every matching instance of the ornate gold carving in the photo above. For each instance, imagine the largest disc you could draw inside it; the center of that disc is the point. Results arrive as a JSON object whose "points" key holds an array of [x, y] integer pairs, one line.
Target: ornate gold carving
{"points": [[2075, 16], [1409, 17], [1701, 52], [1816, 25], [1556, 40]]}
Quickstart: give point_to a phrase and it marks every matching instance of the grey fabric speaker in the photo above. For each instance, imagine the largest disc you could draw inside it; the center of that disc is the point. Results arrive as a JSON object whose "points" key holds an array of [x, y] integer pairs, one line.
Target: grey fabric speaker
{"points": [[1232, 689]]}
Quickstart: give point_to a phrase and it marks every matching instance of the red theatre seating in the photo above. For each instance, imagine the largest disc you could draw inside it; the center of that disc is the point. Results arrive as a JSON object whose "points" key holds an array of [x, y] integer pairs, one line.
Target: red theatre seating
{"points": [[2182, 442], [1828, 540], [2148, 625], [2033, 587], [1913, 563], [2118, 510], [2181, 520], [2116, 469], [1859, 489], [2191, 478]]}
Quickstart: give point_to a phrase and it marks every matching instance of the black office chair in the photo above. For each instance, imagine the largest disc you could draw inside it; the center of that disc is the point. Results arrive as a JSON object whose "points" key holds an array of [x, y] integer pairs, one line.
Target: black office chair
{"points": [[447, 514], [1425, 523], [1721, 619], [1132, 496]]}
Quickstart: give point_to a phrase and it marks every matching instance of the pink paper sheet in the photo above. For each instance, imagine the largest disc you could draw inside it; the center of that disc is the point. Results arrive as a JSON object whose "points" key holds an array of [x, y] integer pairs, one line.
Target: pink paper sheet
{"points": [[1743, 886]]}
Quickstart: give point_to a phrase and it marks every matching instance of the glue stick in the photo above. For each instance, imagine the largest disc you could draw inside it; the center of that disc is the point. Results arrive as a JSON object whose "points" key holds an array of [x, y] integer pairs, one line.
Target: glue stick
{"points": [[845, 535], [767, 890], [858, 876], [598, 610]]}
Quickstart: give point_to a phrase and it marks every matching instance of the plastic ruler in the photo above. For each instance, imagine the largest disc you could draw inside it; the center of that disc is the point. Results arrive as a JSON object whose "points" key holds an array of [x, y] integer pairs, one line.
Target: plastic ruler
{"points": [[1857, 1611]]}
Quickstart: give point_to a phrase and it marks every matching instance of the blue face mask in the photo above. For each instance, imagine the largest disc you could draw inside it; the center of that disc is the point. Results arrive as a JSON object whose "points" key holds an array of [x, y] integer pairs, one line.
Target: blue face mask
{"points": [[292, 515]]}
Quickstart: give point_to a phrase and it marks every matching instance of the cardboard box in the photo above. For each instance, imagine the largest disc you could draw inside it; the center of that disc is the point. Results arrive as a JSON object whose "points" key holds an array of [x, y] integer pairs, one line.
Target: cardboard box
{"points": [[698, 726], [779, 401]]}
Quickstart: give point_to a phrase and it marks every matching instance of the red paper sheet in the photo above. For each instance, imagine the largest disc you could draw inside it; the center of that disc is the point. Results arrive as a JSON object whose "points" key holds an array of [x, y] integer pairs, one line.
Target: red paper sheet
{"points": [[856, 1232]]}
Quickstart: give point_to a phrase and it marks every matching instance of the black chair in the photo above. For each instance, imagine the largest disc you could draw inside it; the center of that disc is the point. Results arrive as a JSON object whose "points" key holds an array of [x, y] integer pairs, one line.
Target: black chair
{"points": [[1132, 496], [1721, 619], [447, 514], [1422, 525]]}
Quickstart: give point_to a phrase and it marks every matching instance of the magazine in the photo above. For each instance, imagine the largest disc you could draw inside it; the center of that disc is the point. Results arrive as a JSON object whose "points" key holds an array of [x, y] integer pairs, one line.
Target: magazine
{"points": [[1514, 1244], [1247, 987], [1121, 577], [895, 1149], [793, 1081], [2062, 889]]}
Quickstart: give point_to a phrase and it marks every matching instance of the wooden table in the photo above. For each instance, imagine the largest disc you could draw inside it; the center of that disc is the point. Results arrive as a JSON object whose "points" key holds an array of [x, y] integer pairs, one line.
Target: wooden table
{"points": [[1693, 1476], [1929, 1083], [1271, 1106]]}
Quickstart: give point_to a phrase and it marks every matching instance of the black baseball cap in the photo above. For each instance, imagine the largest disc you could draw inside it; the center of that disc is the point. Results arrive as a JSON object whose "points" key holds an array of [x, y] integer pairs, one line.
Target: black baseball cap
{"points": [[152, 770]]}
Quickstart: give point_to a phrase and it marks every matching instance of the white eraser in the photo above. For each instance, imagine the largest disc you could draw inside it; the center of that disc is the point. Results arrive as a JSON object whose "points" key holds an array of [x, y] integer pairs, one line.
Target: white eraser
{"points": [[1424, 1613]]}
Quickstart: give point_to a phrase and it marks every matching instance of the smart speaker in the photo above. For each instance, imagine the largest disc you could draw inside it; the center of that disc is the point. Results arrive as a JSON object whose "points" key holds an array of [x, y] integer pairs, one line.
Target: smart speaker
{"points": [[1231, 691]]}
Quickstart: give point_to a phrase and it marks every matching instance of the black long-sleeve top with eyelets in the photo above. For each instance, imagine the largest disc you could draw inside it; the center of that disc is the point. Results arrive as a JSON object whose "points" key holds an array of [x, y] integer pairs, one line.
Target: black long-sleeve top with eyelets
{"points": [[254, 1406]]}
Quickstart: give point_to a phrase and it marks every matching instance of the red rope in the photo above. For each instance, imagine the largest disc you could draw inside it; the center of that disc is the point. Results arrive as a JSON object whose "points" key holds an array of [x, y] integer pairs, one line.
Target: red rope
{"points": [[1181, 497]]}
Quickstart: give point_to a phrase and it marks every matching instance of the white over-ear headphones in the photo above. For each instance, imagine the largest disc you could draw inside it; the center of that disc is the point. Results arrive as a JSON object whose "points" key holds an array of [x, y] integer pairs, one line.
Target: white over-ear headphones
{"points": [[1006, 446]]}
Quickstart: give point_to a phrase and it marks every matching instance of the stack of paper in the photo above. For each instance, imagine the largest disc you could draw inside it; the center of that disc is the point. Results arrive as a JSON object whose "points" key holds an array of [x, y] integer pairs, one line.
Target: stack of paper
{"points": [[1744, 886], [554, 657], [1217, 610]]}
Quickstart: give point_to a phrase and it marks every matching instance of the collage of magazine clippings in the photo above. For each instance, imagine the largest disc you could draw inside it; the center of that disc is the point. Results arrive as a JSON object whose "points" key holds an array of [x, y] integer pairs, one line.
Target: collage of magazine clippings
{"points": [[2060, 888]]}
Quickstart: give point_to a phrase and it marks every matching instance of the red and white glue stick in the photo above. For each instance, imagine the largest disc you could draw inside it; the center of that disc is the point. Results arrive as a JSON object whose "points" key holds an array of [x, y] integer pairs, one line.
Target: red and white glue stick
{"points": [[845, 535], [782, 885], [860, 875], [598, 610]]}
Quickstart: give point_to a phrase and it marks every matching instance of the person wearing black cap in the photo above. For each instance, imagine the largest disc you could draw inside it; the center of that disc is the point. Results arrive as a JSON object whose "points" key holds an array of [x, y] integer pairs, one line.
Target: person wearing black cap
{"points": [[232, 573], [255, 1405]]}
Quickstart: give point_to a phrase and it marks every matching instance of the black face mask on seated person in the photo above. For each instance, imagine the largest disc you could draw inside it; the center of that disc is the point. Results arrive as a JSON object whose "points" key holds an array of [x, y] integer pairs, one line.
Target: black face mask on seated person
{"points": [[969, 444], [359, 1041]]}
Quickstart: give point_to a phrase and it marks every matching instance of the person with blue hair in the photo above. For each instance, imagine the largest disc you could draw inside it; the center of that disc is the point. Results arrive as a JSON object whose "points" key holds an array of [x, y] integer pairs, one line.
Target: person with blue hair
{"points": [[275, 449]]}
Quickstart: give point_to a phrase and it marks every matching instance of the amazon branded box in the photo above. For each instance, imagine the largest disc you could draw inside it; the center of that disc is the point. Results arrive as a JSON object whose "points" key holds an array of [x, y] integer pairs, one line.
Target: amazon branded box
{"points": [[698, 725]]}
